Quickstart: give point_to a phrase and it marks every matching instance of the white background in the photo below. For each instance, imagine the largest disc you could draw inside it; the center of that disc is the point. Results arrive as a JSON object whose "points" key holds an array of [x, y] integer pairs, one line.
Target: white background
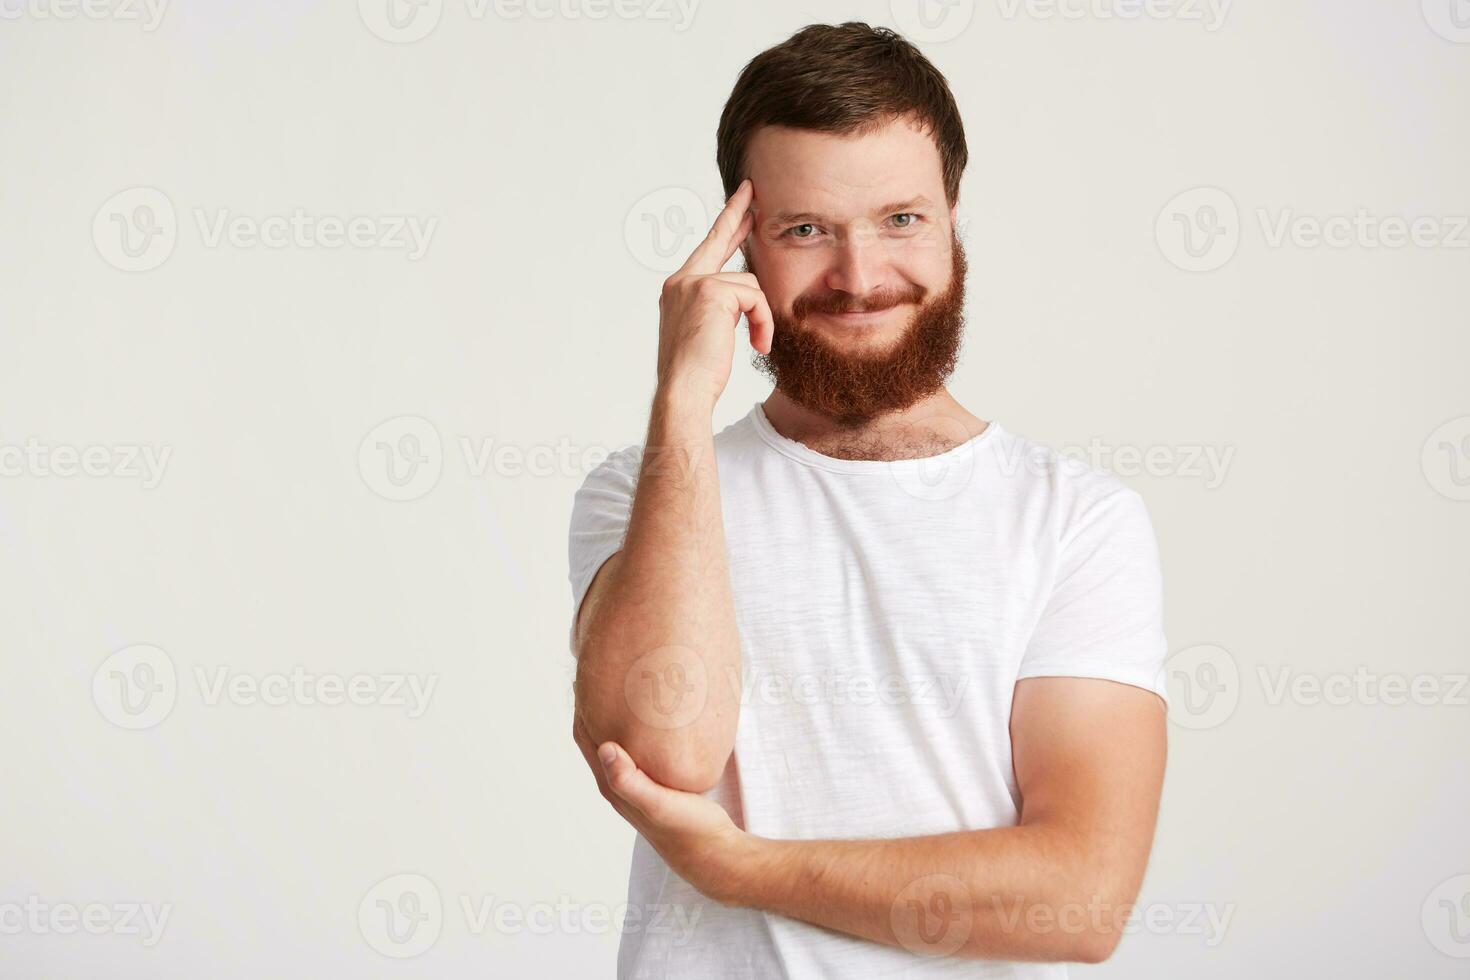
{"points": [[1335, 539]]}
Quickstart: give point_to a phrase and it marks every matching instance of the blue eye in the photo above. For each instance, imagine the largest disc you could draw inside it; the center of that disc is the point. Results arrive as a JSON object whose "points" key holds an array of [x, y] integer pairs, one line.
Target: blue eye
{"points": [[906, 224], [794, 230]]}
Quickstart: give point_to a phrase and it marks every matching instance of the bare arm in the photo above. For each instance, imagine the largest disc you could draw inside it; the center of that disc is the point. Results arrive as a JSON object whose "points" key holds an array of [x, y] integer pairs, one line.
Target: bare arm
{"points": [[658, 653], [1089, 760]]}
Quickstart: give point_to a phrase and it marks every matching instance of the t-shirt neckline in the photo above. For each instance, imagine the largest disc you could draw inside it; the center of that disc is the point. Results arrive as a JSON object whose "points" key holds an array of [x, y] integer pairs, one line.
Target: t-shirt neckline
{"points": [[802, 453]]}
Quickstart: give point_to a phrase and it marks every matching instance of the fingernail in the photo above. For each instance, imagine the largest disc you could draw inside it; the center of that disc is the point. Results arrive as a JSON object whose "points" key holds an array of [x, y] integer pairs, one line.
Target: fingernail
{"points": [[607, 754]]}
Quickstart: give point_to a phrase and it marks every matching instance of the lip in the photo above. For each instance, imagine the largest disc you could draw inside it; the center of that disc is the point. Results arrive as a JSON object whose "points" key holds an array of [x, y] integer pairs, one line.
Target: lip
{"points": [[859, 319]]}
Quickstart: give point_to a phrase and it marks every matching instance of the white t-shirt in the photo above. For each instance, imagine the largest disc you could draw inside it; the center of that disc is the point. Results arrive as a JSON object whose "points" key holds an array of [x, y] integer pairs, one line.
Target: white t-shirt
{"points": [[886, 611]]}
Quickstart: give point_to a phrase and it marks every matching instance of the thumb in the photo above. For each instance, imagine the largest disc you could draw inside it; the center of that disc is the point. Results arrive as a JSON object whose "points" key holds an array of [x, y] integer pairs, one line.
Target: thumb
{"points": [[625, 778]]}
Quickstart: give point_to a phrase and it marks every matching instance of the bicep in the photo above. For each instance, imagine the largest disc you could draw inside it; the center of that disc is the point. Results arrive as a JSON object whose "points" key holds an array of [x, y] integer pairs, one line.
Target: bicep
{"points": [[1089, 757]]}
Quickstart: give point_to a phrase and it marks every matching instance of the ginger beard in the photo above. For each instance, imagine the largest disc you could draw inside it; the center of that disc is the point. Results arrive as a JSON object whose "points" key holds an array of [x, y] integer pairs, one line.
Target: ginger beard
{"points": [[853, 388]]}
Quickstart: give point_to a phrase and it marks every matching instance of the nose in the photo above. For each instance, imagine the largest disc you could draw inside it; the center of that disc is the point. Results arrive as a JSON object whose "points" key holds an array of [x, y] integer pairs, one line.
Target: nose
{"points": [[857, 264]]}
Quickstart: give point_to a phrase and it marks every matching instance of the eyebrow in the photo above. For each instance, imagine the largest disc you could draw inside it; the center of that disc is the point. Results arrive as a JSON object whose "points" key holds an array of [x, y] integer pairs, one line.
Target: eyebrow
{"points": [[897, 207]]}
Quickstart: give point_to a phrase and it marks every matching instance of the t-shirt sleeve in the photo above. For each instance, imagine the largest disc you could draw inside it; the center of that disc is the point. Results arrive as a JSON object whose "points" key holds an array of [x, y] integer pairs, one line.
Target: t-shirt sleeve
{"points": [[600, 513], [1104, 617]]}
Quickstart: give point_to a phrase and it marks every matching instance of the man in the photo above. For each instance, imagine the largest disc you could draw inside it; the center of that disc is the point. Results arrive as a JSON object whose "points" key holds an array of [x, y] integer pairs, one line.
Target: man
{"points": [[877, 682]]}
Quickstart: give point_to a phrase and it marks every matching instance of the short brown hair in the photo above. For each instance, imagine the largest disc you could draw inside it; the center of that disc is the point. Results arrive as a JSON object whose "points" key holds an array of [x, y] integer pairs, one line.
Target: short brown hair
{"points": [[849, 79]]}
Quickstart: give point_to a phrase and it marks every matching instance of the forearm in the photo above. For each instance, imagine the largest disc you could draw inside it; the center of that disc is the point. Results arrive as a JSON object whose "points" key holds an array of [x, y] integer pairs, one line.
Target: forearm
{"points": [[1013, 893], [659, 668]]}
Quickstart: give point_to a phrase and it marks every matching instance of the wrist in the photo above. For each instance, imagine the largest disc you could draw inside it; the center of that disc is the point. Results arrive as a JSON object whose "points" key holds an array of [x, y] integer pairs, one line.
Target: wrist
{"points": [[748, 862], [685, 395]]}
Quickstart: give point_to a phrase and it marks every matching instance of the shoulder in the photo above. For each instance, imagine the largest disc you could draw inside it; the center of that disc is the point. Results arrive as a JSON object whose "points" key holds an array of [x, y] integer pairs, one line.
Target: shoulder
{"points": [[1063, 483]]}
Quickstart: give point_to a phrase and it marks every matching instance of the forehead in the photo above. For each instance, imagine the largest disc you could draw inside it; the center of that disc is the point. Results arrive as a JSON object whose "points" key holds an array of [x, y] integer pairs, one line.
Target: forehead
{"points": [[798, 169]]}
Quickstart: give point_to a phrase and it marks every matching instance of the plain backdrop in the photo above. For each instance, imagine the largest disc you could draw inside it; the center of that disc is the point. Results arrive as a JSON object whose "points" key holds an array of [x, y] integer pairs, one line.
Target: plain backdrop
{"points": [[364, 451]]}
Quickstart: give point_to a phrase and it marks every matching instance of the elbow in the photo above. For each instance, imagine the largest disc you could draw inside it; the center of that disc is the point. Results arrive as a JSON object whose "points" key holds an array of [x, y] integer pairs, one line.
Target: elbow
{"points": [[684, 760], [1095, 946], [683, 763], [1105, 903], [679, 729], [693, 767]]}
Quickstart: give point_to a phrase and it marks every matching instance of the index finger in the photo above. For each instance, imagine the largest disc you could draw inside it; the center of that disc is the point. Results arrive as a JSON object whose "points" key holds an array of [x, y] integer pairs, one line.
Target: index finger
{"points": [[724, 236]]}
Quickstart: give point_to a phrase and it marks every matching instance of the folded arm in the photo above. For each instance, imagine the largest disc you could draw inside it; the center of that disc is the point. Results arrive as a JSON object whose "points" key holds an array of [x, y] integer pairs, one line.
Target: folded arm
{"points": [[1089, 762]]}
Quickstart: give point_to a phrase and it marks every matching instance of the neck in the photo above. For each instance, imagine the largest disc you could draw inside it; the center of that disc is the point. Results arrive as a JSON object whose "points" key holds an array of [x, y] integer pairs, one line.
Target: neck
{"points": [[928, 427]]}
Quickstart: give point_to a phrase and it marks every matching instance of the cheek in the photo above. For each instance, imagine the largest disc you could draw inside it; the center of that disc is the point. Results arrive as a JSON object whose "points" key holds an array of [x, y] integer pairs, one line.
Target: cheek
{"points": [[784, 276], [930, 267]]}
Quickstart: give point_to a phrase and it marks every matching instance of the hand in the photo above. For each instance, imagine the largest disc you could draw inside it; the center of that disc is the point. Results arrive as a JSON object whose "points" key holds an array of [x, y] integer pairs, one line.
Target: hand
{"points": [[700, 306], [694, 835]]}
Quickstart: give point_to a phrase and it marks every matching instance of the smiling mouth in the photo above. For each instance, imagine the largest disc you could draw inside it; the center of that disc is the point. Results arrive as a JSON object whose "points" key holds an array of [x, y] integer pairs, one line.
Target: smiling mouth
{"points": [[869, 316]]}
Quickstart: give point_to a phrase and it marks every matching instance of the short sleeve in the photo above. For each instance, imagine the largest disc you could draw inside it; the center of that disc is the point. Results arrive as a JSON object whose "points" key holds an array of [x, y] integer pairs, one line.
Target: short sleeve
{"points": [[600, 513], [1104, 616]]}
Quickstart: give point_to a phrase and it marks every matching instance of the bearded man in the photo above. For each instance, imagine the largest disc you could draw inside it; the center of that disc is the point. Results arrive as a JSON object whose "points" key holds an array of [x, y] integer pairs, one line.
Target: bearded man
{"points": [[877, 682]]}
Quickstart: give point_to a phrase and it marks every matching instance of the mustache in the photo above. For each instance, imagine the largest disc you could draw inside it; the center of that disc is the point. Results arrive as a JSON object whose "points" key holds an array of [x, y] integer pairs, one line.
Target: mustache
{"points": [[804, 306]]}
